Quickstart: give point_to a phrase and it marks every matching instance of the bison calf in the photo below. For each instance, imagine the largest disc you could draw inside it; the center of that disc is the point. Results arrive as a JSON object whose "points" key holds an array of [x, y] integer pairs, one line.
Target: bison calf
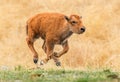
{"points": [[53, 28]]}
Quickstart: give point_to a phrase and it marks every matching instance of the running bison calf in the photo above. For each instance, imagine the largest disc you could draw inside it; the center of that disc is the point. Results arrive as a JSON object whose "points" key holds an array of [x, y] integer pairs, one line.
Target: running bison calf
{"points": [[53, 28]]}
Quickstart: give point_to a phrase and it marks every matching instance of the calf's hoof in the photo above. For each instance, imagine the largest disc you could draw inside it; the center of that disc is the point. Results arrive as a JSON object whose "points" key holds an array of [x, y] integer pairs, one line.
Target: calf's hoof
{"points": [[42, 62], [35, 60], [58, 63]]}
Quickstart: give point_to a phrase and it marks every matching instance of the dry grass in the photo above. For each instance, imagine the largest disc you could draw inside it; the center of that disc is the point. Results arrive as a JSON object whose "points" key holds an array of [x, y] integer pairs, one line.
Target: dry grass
{"points": [[97, 48]]}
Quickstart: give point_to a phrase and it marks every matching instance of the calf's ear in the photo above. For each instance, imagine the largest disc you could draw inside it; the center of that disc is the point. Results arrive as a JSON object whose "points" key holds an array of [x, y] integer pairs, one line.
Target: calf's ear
{"points": [[80, 17], [66, 18]]}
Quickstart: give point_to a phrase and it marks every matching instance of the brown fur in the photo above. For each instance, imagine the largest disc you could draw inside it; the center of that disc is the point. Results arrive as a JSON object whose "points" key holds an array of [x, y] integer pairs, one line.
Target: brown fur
{"points": [[53, 28]]}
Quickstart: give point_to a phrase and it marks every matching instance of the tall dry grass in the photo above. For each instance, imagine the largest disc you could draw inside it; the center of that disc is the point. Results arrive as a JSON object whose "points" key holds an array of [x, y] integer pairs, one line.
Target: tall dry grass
{"points": [[97, 48]]}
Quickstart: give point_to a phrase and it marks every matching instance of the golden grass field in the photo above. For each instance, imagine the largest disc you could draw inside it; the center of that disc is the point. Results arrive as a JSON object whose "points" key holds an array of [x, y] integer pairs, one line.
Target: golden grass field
{"points": [[97, 48]]}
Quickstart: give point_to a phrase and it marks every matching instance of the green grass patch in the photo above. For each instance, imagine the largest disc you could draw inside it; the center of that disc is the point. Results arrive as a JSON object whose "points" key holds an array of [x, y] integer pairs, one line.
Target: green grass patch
{"points": [[40, 75]]}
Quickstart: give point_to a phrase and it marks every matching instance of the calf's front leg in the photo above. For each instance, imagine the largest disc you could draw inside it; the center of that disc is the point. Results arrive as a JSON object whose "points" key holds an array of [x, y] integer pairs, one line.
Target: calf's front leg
{"points": [[50, 48], [44, 46], [30, 43], [65, 49]]}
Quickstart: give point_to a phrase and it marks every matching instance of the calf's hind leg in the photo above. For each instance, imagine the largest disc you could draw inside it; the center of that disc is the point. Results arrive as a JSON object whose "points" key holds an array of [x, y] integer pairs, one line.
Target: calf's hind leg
{"points": [[48, 47], [30, 42]]}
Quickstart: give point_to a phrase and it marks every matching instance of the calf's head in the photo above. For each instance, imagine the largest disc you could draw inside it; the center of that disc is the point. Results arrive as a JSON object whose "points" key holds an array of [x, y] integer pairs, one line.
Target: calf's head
{"points": [[75, 24]]}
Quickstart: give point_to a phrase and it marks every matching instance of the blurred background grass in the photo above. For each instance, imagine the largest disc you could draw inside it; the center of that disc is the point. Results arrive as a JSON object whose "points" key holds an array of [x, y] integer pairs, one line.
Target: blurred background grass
{"points": [[97, 48]]}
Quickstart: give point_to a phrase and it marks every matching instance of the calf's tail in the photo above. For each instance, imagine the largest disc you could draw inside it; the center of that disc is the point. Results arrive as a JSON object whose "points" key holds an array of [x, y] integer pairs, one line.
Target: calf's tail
{"points": [[26, 29]]}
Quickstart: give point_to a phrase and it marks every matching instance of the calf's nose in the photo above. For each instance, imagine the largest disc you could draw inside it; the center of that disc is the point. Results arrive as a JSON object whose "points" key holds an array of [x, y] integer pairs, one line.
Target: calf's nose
{"points": [[83, 29]]}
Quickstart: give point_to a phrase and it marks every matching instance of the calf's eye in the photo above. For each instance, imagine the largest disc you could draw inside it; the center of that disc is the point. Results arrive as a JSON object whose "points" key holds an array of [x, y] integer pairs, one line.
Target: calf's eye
{"points": [[74, 22]]}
